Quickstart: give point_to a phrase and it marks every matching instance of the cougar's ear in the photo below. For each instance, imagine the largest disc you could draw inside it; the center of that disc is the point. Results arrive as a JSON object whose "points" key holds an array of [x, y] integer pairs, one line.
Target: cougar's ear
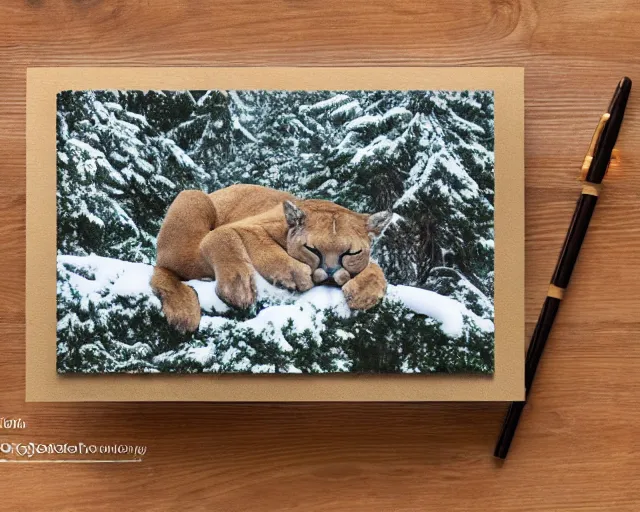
{"points": [[294, 216], [378, 221]]}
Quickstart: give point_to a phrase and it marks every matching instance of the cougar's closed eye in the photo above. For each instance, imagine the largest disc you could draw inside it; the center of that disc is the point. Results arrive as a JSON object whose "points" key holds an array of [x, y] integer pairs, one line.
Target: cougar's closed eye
{"points": [[349, 253], [314, 251]]}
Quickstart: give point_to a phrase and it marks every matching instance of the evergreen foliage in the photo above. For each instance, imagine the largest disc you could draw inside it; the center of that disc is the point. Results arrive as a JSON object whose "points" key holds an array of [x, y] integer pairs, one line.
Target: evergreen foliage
{"points": [[116, 175]]}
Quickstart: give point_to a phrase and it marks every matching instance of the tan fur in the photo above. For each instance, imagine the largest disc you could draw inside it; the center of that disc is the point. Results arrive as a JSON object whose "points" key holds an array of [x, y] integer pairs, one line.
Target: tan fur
{"points": [[179, 301], [229, 234]]}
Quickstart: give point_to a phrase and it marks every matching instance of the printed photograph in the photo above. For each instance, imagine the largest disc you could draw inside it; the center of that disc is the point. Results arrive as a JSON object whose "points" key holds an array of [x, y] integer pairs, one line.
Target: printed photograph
{"points": [[267, 231]]}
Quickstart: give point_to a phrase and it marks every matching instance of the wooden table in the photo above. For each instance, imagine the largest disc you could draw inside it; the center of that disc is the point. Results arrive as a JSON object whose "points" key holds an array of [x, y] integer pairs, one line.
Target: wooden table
{"points": [[578, 447]]}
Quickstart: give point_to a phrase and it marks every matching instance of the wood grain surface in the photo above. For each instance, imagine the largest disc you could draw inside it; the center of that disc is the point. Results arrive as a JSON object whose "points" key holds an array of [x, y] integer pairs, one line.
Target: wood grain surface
{"points": [[578, 446]]}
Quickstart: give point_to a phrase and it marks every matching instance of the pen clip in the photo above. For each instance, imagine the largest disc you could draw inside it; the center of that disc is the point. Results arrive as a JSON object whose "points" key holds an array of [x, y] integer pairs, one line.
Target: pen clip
{"points": [[586, 163]]}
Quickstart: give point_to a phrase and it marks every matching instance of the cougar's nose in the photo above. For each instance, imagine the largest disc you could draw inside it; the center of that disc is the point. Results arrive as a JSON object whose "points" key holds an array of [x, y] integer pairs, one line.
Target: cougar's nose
{"points": [[331, 270]]}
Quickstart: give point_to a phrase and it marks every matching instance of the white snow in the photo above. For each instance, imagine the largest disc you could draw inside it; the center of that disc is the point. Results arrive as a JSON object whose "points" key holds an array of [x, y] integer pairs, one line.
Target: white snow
{"points": [[202, 354], [209, 301], [116, 107], [296, 122], [489, 244], [348, 141], [213, 322], [321, 106], [238, 126], [380, 144], [348, 109], [330, 185], [454, 167], [131, 279], [372, 121], [94, 219], [163, 179], [91, 152], [181, 157], [466, 124], [363, 122], [344, 334], [203, 99], [449, 312], [119, 277], [137, 117], [397, 112], [236, 99]]}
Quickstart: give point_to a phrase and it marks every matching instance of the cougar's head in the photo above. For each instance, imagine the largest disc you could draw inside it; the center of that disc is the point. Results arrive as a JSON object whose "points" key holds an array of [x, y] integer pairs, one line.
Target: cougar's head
{"points": [[334, 241]]}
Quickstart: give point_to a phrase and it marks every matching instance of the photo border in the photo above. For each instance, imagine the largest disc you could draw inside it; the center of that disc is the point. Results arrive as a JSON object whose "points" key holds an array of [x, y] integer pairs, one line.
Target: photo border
{"points": [[44, 384]]}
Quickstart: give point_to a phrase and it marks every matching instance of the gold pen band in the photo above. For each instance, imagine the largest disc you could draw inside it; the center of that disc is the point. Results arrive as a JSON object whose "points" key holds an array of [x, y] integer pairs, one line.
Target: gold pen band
{"points": [[555, 291], [591, 189]]}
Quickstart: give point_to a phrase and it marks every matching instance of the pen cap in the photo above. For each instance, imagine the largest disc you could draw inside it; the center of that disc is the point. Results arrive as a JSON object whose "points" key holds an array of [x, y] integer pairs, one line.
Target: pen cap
{"points": [[609, 135]]}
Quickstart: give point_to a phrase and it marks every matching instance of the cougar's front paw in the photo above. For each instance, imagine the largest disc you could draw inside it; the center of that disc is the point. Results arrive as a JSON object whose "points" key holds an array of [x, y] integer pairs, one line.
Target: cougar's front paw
{"points": [[363, 295], [341, 277], [237, 287], [297, 277], [302, 277], [182, 309], [320, 276]]}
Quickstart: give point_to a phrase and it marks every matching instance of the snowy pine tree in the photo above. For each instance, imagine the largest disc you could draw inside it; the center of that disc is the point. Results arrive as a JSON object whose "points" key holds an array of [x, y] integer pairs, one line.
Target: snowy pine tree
{"points": [[206, 134], [116, 176]]}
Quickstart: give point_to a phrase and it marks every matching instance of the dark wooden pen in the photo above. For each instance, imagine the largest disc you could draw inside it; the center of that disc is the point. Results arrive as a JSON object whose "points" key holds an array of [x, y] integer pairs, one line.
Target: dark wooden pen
{"points": [[594, 168]]}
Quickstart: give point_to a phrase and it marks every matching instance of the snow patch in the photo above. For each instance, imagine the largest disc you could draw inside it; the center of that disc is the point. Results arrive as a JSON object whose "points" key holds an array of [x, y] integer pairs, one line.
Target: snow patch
{"points": [[238, 126], [122, 278], [324, 105]]}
